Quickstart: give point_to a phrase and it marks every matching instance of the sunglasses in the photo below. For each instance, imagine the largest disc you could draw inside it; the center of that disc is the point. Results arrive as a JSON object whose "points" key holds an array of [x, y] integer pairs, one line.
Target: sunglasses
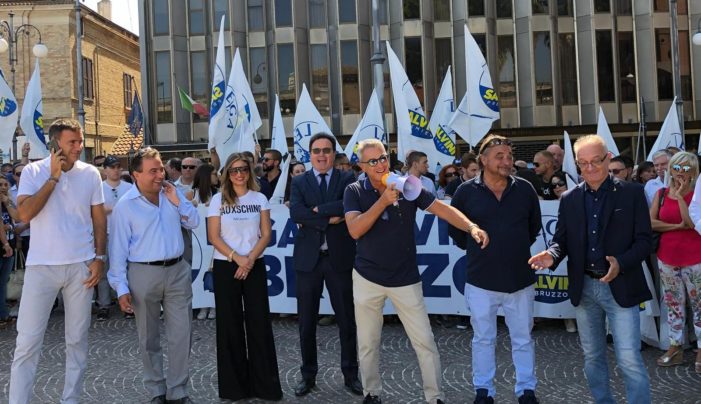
{"points": [[238, 170], [18, 173], [325, 150], [373, 162], [536, 165], [616, 171], [189, 167], [559, 184], [449, 175], [680, 168]]}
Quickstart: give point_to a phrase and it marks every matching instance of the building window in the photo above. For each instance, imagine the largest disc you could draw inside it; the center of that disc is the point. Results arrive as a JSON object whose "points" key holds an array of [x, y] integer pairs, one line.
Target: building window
{"points": [[255, 15], [564, 8], [221, 8], [626, 67], [444, 57], [161, 18], [412, 9], [283, 13], [88, 79], [317, 13], [259, 79], [665, 77], [200, 81], [414, 65], [127, 83], [441, 10], [164, 104], [196, 17], [475, 8], [506, 71], [604, 66], [539, 7], [624, 7], [320, 78], [504, 9], [349, 77], [663, 6], [602, 6], [542, 59], [568, 68], [346, 11], [286, 78]]}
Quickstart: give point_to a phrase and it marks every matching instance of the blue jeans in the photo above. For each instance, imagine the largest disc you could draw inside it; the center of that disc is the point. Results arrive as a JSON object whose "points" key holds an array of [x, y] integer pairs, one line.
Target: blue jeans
{"points": [[6, 264], [596, 305]]}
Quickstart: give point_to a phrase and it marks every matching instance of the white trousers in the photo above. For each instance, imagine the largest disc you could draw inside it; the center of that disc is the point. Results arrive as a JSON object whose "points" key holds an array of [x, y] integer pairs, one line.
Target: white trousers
{"points": [[41, 286]]}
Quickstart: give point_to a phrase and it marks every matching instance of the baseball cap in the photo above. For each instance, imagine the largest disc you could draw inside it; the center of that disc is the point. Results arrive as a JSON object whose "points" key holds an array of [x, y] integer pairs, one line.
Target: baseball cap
{"points": [[110, 161]]}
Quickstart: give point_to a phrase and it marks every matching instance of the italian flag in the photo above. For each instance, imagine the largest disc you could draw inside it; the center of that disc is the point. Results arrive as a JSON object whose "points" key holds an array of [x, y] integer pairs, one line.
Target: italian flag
{"points": [[191, 105]]}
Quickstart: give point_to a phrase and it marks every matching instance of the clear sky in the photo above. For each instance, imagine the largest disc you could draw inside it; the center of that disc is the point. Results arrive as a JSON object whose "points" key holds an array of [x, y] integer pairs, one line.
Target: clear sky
{"points": [[124, 13]]}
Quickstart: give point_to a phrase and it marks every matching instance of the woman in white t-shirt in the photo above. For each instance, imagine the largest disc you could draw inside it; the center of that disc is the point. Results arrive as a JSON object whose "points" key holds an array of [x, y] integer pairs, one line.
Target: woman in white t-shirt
{"points": [[239, 228]]}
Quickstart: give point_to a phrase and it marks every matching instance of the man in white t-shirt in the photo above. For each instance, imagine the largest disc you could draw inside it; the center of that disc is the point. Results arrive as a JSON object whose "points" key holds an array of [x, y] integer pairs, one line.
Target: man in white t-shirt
{"points": [[187, 176], [113, 188], [61, 197]]}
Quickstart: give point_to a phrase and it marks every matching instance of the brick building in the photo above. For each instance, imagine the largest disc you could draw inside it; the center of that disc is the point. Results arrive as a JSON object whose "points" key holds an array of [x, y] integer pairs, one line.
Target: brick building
{"points": [[110, 66]]}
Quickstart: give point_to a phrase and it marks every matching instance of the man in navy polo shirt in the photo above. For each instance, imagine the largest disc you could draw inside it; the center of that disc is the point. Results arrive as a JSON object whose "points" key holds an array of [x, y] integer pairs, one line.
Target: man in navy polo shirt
{"points": [[508, 209], [385, 267]]}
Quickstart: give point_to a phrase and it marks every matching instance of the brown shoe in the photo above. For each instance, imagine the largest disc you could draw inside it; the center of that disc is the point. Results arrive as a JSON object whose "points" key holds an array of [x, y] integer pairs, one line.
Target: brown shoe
{"points": [[671, 358]]}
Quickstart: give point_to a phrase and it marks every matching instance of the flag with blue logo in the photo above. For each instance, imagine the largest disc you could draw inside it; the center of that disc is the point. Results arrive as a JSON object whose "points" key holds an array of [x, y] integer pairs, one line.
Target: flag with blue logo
{"points": [[670, 132], [370, 127], [413, 133], [216, 112], [8, 118], [307, 123], [569, 166], [241, 117], [443, 135], [480, 106], [603, 130], [32, 118], [278, 142], [136, 116]]}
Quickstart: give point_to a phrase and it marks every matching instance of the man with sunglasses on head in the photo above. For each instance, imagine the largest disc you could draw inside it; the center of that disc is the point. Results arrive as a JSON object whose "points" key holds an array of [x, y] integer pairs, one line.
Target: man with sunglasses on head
{"points": [[499, 276], [323, 254], [606, 279], [382, 221]]}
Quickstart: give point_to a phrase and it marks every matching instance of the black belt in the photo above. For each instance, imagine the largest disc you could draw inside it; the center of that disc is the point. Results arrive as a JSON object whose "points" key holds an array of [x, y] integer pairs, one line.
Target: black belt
{"points": [[324, 253], [594, 275], [165, 263]]}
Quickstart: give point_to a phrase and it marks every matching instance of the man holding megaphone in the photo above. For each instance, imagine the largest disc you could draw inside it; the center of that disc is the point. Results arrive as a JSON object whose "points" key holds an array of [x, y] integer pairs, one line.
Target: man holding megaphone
{"points": [[380, 211]]}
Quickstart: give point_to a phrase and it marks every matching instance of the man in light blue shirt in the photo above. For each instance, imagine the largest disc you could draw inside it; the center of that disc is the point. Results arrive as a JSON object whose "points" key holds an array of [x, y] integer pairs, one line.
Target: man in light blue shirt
{"points": [[148, 271]]}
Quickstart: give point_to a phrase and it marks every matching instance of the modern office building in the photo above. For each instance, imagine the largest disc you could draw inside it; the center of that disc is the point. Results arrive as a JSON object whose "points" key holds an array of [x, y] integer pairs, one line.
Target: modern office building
{"points": [[554, 63]]}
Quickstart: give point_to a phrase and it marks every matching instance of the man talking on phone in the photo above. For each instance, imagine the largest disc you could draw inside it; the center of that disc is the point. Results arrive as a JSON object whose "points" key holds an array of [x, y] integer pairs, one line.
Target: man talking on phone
{"points": [[61, 197], [145, 238]]}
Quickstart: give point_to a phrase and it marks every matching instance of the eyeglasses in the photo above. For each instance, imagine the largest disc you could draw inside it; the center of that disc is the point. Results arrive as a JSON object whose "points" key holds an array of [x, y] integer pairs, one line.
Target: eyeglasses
{"points": [[536, 165], [449, 175], [680, 168], [18, 173], [559, 184], [596, 162], [616, 171], [238, 170], [188, 167], [373, 162], [325, 150]]}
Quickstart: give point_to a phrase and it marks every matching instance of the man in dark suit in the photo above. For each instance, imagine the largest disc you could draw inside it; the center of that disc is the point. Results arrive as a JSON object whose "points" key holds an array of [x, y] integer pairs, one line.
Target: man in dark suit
{"points": [[324, 253], [604, 228]]}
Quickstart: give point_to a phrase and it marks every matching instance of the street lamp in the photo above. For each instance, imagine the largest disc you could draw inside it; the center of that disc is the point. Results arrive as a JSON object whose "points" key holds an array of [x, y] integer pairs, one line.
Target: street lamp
{"points": [[8, 42]]}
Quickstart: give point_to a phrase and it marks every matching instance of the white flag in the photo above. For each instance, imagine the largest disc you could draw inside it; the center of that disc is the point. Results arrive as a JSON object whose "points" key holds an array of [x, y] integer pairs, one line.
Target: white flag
{"points": [[278, 142], [8, 118], [412, 127], [569, 166], [216, 113], [370, 127], [480, 106], [670, 132], [603, 130], [443, 136], [307, 123], [31, 121]]}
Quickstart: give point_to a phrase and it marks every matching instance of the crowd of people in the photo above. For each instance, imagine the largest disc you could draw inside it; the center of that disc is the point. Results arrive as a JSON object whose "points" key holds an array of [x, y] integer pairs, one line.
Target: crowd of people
{"points": [[127, 235]]}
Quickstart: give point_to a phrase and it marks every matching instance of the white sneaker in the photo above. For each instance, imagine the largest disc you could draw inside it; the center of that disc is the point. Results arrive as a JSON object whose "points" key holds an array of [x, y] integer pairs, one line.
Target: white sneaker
{"points": [[570, 325], [202, 314], [212, 314]]}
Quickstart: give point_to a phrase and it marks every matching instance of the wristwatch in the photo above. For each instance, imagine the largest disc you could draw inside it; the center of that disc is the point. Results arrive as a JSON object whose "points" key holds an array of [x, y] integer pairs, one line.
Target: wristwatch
{"points": [[102, 258]]}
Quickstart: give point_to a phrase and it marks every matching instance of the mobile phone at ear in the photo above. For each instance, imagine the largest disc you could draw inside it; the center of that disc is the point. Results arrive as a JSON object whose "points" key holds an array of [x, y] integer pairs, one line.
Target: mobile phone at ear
{"points": [[53, 145]]}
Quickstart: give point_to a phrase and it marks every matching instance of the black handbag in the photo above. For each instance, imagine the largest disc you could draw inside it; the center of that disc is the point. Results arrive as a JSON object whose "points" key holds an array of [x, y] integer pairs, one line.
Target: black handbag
{"points": [[655, 234]]}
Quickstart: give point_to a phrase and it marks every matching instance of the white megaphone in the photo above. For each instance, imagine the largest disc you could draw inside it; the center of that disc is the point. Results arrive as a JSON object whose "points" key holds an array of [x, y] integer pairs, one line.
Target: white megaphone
{"points": [[409, 186]]}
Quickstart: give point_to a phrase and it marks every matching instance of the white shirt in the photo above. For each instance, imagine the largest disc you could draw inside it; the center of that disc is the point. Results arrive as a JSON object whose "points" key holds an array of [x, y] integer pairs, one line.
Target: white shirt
{"points": [[63, 229], [183, 187], [651, 188], [695, 207], [13, 193], [112, 195], [240, 224], [142, 232]]}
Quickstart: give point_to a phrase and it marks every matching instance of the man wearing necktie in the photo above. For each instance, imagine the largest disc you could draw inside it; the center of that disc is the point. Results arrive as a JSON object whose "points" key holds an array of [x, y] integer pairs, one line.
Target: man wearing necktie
{"points": [[323, 253]]}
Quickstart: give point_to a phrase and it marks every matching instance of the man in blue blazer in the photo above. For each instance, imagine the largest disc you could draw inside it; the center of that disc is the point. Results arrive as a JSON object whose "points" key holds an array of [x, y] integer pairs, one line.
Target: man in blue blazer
{"points": [[604, 229], [324, 253]]}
